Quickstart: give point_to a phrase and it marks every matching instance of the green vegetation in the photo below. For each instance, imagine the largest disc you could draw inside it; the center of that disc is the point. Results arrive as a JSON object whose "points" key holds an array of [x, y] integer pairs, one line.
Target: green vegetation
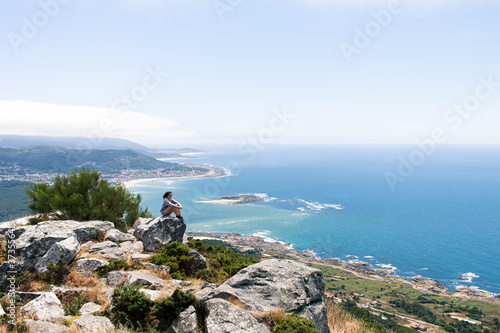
{"points": [[59, 159], [222, 261], [72, 305], [402, 299], [175, 255], [55, 274], [375, 324], [415, 309], [132, 307], [292, 323], [14, 200], [114, 265], [83, 196], [135, 310], [166, 310]]}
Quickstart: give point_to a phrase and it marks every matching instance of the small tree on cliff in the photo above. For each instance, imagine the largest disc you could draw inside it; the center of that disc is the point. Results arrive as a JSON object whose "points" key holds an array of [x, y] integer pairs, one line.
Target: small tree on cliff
{"points": [[83, 196]]}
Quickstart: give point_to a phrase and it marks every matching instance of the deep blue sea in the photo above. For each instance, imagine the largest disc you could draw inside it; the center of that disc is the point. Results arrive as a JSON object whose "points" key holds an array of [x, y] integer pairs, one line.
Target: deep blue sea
{"points": [[442, 222]]}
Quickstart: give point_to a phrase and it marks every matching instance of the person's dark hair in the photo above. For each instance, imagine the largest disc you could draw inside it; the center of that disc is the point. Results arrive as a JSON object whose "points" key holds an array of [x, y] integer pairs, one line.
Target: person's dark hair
{"points": [[167, 194]]}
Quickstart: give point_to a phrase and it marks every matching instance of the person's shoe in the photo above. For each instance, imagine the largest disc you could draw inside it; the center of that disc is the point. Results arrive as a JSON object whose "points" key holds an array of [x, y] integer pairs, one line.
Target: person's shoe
{"points": [[179, 217]]}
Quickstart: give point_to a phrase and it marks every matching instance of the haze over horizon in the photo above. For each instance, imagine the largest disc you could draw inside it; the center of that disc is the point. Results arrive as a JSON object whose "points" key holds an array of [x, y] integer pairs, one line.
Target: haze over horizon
{"points": [[296, 71]]}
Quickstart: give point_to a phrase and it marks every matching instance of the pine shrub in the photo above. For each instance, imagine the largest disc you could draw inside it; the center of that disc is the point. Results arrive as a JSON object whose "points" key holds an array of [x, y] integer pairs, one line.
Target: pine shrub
{"points": [[167, 309], [83, 196], [132, 307], [293, 323]]}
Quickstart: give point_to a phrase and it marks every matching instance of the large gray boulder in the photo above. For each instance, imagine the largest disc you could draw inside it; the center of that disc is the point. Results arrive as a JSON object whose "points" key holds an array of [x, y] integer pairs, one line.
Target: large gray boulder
{"points": [[46, 307], [90, 264], [35, 241], [115, 235], [68, 247], [89, 308], [113, 278], [132, 247], [154, 234], [90, 324], [225, 317], [185, 322], [199, 262], [279, 284], [41, 326], [145, 279], [107, 249]]}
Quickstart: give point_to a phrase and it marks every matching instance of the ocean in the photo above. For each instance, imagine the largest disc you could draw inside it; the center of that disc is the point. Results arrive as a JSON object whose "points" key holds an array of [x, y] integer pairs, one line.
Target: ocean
{"points": [[416, 211]]}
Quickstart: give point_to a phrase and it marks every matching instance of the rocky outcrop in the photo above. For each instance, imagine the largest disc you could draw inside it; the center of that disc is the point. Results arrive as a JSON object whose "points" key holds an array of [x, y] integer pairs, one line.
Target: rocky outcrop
{"points": [[145, 279], [115, 235], [89, 308], [90, 264], [185, 322], [279, 284], [224, 317], [35, 241], [429, 284], [45, 307], [69, 248], [154, 234], [40, 326], [107, 249], [90, 324], [113, 278], [199, 262], [132, 247]]}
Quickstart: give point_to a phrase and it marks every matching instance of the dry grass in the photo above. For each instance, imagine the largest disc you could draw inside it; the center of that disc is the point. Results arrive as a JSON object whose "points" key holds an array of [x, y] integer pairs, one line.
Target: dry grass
{"points": [[236, 301], [96, 295], [75, 279], [33, 286], [341, 322], [269, 317]]}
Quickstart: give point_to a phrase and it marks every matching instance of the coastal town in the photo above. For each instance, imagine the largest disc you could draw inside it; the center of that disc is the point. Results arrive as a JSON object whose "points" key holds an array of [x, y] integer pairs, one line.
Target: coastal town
{"points": [[14, 172]]}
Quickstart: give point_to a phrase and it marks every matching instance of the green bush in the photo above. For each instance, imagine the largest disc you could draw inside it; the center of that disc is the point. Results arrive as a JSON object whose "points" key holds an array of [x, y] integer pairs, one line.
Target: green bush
{"points": [[293, 323], [132, 307], [73, 305], [83, 196], [167, 309], [55, 274], [114, 265], [175, 255], [223, 262]]}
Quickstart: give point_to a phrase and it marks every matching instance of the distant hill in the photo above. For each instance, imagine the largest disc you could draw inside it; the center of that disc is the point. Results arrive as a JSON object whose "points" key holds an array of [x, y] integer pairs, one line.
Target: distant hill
{"points": [[70, 142], [20, 141], [59, 159]]}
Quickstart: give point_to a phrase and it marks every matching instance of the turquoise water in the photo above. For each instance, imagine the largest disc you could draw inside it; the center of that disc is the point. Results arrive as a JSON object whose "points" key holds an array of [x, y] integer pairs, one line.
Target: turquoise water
{"points": [[441, 222]]}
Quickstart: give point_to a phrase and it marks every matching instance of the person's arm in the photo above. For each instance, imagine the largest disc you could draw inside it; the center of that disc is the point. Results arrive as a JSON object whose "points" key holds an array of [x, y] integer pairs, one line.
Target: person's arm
{"points": [[169, 203], [176, 203]]}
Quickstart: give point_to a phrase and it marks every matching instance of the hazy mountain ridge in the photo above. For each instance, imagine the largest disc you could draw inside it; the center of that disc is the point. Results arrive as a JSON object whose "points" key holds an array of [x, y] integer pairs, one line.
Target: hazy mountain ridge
{"points": [[58, 159]]}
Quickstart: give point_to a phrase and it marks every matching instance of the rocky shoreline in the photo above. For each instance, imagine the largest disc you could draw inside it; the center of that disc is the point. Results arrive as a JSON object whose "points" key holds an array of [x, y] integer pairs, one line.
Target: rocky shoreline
{"points": [[266, 245]]}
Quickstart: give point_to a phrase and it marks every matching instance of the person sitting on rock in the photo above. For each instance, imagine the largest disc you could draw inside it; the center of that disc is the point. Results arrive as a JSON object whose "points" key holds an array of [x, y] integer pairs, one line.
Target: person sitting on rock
{"points": [[170, 206]]}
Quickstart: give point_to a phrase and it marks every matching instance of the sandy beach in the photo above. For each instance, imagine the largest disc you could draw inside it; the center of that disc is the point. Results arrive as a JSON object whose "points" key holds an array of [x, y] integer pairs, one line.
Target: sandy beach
{"points": [[212, 173]]}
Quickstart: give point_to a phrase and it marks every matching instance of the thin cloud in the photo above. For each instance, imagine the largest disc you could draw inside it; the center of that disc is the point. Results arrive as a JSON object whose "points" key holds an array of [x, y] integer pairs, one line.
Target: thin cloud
{"points": [[31, 118]]}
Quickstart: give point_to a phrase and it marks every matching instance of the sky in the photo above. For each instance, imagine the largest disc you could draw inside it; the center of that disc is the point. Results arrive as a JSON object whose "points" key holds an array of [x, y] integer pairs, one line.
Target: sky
{"points": [[162, 72]]}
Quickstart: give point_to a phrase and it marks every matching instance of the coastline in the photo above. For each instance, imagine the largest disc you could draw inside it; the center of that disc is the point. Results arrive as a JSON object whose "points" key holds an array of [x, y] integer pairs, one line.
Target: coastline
{"points": [[212, 173], [424, 284]]}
